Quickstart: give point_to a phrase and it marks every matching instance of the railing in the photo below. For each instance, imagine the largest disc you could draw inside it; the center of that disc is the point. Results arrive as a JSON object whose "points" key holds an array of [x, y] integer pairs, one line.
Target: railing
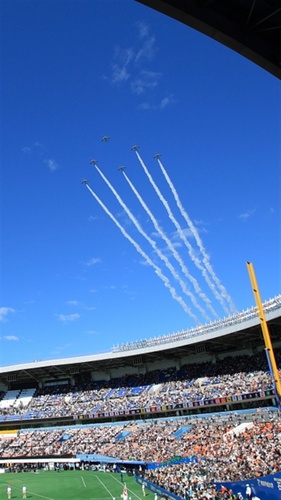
{"points": [[235, 319]]}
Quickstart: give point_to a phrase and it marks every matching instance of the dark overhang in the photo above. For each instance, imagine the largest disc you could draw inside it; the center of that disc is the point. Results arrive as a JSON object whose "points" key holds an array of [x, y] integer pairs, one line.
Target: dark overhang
{"points": [[250, 27]]}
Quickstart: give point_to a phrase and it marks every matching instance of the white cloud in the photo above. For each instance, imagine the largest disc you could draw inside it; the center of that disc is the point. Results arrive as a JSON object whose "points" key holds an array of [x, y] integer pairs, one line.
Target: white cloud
{"points": [[35, 146], [73, 302], [125, 60], [147, 51], [144, 263], [92, 218], [11, 337], [163, 104], [143, 29], [247, 215], [119, 74], [109, 287], [166, 101], [145, 80], [93, 261], [131, 66], [68, 317], [52, 164], [4, 311], [89, 308], [122, 58], [146, 105]]}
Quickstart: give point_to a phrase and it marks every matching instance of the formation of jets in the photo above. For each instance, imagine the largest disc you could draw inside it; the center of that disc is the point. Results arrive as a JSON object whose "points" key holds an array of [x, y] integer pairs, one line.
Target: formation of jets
{"points": [[106, 138]]}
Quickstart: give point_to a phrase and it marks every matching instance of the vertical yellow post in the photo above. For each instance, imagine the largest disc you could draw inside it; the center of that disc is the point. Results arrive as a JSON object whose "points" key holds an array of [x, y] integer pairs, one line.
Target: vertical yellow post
{"points": [[265, 332]]}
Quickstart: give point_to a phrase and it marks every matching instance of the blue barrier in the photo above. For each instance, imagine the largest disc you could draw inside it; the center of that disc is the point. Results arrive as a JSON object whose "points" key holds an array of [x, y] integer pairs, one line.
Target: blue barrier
{"points": [[172, 461], [157, 489], [264, 488]]}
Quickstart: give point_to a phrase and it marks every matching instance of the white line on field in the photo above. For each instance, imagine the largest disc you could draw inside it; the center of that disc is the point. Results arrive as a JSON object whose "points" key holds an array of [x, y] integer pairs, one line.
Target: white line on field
{"points": [[122, 484], [41, 496], [84, 484], [31, 492], [104, 487]]}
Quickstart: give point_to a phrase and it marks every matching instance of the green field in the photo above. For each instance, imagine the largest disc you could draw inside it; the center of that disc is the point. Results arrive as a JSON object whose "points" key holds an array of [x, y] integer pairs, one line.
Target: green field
{"points": [[70, 485]]}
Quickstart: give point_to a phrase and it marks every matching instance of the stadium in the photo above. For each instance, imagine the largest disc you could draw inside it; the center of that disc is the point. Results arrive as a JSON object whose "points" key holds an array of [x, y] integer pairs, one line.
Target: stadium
{"points": [[107, 410], [190, 415]]}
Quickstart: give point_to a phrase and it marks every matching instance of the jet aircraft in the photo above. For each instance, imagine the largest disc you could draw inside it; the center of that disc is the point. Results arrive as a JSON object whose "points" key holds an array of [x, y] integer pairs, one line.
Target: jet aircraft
{"points": [[105, 138], [84, 181], [93, 162], [135, 147], [121, 168], [157, 155]]}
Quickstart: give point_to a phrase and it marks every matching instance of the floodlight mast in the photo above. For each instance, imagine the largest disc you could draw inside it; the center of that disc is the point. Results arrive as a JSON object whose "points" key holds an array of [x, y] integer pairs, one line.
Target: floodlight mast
{"points": [[266, 336]]}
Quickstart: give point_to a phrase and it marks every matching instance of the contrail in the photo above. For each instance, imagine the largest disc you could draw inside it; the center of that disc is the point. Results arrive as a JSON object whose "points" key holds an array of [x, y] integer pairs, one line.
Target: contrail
{"points": [[175, 254], [193, 257], [145, 256], [152, 242], [206, 258]]}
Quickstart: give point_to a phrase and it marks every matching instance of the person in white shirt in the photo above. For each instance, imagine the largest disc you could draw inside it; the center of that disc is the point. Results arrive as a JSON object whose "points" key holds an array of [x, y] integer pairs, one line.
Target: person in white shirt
{"points": [[248, 491], [24, 491]]}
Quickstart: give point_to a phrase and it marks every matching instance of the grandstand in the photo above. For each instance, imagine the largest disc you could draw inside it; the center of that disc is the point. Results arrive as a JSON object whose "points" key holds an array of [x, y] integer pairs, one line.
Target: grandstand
{"points": [[146, 378], [187, 393]]}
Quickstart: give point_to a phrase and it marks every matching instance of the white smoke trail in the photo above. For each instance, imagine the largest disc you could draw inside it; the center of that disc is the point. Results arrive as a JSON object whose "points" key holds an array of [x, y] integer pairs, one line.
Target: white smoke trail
{"points": [[192, 255], [181, 233], [145, 256], [175, 254], [205, 256], [151, 241]]}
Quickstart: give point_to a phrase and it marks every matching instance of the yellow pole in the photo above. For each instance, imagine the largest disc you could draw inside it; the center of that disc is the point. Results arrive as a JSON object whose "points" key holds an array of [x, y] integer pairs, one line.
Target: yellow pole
{"points": [[265, 332]]}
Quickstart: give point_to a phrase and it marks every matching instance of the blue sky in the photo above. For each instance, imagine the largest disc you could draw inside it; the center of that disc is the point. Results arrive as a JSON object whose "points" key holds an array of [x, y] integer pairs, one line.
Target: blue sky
{"points": [[79, 276]]}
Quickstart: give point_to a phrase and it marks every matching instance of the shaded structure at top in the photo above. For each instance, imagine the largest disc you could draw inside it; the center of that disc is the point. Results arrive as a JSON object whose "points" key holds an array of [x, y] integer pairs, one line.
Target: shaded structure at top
{"points": [[250, 27]]}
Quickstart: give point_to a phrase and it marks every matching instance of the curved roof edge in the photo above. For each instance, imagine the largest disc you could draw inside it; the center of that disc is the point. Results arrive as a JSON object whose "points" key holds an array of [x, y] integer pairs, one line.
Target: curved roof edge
{"points": [[252, 29], [250, 321]]}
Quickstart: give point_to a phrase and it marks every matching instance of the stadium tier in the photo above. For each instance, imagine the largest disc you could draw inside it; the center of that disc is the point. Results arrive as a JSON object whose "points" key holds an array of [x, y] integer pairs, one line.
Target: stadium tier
{"points": [[220, 366]]}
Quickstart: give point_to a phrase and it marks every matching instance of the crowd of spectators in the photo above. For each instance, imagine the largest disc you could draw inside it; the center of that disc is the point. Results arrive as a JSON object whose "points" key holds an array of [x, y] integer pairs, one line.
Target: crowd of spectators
{"points": [[223, 456], [218, 449], [222, 453], [192, 481], [193, 383]]}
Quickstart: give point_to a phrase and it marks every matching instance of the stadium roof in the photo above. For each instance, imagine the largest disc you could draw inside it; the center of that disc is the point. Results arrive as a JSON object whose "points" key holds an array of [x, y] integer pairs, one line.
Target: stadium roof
{"points": [[250, 27], [245, 335]]}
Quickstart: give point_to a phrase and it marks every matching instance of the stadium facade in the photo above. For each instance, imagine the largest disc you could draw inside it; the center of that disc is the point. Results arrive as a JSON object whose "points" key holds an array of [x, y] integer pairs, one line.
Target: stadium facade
{"points": [[139, 364]]}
